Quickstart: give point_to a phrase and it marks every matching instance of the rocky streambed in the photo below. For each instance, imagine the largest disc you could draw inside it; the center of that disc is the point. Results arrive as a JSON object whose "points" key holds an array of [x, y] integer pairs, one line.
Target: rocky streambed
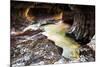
{"points": [[37, 49]]}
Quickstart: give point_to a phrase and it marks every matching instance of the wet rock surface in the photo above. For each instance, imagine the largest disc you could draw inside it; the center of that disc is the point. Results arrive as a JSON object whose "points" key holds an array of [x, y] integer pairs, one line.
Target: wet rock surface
{"points": [[87, 52], [35, 51]]}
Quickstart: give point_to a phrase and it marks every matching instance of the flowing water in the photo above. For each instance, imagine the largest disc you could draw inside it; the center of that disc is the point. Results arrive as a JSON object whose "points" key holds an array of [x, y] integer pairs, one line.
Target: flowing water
{"points": [[56, 32]]}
